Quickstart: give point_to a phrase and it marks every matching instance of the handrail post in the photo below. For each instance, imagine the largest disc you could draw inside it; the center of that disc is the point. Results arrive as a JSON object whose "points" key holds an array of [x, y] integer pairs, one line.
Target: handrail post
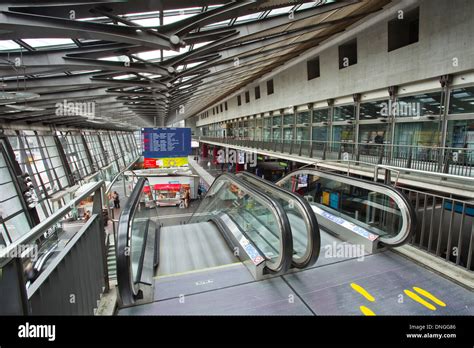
{"points": [[410, 155], [97, 209], [381, 150]]}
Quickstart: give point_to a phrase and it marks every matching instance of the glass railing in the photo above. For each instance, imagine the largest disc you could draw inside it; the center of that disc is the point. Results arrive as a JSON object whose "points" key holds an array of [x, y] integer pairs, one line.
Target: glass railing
{"points": [[304, 226], [135, 224], [377, 208], [259, 218]]}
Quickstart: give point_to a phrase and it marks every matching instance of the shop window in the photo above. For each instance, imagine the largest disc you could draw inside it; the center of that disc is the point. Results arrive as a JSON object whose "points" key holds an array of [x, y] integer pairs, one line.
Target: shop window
{"points": [[373, 133], [417, 134], [343, 133], [460, 134]]}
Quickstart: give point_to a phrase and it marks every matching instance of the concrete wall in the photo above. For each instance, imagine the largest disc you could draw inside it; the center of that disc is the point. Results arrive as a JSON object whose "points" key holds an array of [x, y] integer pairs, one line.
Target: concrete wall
{"points": [[445, 33]]}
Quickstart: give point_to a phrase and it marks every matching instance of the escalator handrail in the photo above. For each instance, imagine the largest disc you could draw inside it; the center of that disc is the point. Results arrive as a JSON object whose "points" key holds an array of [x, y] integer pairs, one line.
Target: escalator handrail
{"points": [[127, 290], [283, 263], [406, 208], [314, 236]]}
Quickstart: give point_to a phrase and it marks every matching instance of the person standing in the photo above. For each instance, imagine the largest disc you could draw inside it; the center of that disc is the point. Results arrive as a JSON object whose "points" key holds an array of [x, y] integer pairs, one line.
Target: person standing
{"points": [[116, 198], [187, 196]]}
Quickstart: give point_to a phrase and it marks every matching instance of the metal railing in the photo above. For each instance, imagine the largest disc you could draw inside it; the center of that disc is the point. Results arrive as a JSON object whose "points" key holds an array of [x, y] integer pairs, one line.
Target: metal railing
{"points": [[445, 227], [449, 160], [73, 273]]}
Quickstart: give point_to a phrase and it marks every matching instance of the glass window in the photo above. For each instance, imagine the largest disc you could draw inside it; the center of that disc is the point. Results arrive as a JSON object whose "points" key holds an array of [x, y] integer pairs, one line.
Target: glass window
{"points": [[302, 135], [276, 134], [320, 133], [75, 153], [303, 117], [289, 120], [417, 133], [266, 134], [343, 133], [460, 134], [344, 113], [373, 133], [419, 105], [276, 121], [374, 109], [462, 100], [15, 223], [320, 115], [95, 149]]}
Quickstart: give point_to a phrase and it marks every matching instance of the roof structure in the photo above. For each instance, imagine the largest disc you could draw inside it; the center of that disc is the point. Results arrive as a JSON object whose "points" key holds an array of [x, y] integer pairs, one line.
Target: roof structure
{"points": [[148, 62]]}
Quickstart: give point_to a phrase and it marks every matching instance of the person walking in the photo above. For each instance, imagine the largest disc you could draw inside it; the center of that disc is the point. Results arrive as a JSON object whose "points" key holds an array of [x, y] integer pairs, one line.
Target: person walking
{"points": [[116, 198]]}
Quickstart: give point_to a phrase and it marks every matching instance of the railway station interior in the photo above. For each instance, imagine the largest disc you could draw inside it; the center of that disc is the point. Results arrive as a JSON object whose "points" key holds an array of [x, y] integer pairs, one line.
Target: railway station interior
{"points": [[237, 158]]}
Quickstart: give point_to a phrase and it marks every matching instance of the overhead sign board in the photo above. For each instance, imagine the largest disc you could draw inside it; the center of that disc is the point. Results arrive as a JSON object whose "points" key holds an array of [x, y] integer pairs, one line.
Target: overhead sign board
{"points": [[166, 142]]}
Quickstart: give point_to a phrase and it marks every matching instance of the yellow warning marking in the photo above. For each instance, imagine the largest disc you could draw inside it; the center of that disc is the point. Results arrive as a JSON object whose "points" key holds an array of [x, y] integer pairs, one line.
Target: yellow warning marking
{"points": [[429, 296], [418, 299], [362, 291], [366, 311]]}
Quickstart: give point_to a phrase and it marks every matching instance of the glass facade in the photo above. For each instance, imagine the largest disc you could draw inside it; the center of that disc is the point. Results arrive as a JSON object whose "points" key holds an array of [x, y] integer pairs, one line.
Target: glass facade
{"points": [[320, 115], [373, 109], [426, 104], [344, 113], [39, 155], [370, 123], [462, 100]]}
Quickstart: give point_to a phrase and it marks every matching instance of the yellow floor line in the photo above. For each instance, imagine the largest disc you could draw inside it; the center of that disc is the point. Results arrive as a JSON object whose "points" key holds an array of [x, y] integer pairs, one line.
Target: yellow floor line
{"points": [[429, 296], [366, 311], [418, 299], [197, 270], [362, 291]]}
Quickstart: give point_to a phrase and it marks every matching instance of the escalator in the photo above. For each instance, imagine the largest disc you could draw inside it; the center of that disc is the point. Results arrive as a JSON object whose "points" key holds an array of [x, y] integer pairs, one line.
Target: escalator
{"points": [[354, 210], [303, 222], [234, 223], [251, 242]]}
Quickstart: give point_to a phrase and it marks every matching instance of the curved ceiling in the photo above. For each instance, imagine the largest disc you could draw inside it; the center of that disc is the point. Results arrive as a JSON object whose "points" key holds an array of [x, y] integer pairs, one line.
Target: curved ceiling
{"points": [[150, 62]]}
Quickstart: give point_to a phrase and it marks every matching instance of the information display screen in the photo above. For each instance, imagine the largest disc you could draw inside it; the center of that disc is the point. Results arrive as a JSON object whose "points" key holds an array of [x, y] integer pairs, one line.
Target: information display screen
{"points": [[166, 142]]}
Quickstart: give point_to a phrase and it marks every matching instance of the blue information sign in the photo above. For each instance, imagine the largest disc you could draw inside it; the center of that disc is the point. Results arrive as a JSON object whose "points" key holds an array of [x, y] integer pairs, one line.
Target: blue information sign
{"points": [[166, 142]]}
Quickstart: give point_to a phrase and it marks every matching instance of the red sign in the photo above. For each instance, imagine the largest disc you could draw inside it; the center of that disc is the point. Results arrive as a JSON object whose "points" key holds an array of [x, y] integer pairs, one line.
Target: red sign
{"points": [[167, 187], [150, 163]]}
